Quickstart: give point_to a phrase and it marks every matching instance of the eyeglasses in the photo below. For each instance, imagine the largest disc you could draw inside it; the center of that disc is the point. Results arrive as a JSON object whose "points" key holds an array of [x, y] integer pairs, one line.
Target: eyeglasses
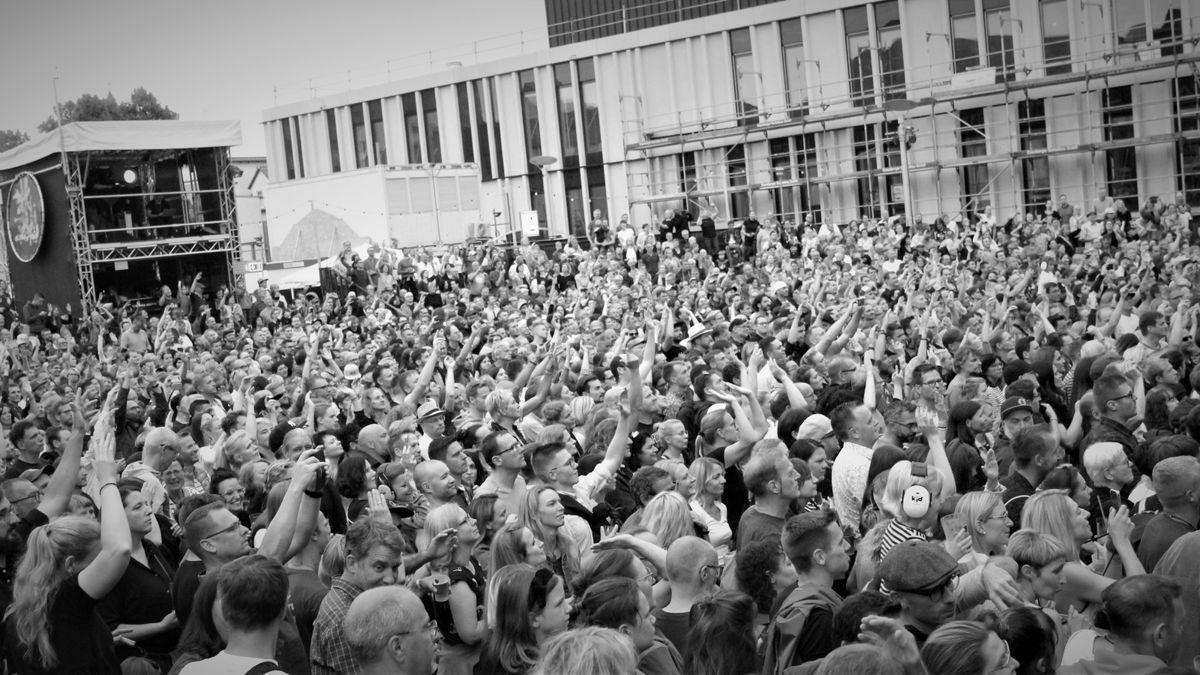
{"points": [[719, 568], [1007, 664], [235, 525], [1128, 394], [650, 578], [33, 495], [432, 628]]}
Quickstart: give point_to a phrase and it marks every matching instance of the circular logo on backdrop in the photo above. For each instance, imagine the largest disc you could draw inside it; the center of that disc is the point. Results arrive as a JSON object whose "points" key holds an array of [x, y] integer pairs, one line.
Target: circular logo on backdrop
{"points": [[26, 217]]}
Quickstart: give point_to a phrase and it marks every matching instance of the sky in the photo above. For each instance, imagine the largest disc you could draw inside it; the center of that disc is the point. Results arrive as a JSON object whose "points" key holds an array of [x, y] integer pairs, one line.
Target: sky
{"points": [[223, 59]]}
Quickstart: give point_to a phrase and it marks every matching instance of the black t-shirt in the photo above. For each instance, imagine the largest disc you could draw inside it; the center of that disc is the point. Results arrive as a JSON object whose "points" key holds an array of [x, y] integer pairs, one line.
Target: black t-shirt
{"points": [[143, 595], [183, 588], [79, 636], [19, 466], [305, 593], [674, 626]]}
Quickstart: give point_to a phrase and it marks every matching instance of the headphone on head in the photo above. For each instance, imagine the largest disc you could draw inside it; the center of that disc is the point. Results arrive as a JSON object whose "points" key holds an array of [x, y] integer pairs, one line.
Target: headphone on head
{"points": [[916, 500]]}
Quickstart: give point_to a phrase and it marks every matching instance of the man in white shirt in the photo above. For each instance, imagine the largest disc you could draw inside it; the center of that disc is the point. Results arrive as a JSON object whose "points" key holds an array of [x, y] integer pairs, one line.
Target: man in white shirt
{"points": [[856, 428], [252, 595]]}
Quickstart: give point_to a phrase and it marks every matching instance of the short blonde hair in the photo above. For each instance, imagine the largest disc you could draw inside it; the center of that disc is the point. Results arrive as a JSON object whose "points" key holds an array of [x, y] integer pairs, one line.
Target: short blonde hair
{"points": [[590, 650]]}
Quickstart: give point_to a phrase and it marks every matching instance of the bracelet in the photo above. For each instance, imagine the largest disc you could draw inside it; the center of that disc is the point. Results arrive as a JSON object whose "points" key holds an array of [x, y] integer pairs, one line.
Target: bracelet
{"points": [[105, 485], [315, 494]]}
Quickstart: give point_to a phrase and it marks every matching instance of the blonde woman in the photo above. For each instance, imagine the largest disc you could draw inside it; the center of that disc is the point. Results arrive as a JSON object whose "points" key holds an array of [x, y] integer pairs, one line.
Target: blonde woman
{"points": [[667, 517], [987, 525], [671, 437], [708, 477], [1053, 512], [70, 564], [543, 513], [459, 616], [684, 483]]}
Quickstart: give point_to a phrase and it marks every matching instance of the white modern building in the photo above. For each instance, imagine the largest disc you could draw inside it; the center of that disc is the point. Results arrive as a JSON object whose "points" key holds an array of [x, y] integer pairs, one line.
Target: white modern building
{"points": [[797, 107]]}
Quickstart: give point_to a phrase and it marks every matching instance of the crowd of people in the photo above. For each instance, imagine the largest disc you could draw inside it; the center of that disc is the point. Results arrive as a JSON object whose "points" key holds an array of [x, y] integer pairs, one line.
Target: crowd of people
{"points": [[964, 447]]}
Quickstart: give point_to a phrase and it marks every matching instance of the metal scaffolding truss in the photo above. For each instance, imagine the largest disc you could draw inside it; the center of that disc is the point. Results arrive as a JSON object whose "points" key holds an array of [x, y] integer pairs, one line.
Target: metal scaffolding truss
{"points": [[79, 233], [87, 253], [162, 248]]}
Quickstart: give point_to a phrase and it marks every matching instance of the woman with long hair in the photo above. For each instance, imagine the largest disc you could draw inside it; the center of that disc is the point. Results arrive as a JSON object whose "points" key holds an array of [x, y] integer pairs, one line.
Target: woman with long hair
{"points": [[969, 433], [764, 572], [70, 565], [490, 515], [709, 478], [1067, 478], [667, 517], [543, 513], [619, 604], [458, 617], [1053, 512], [200, 639], [525, 608], [987, 524], [721, 640], [516, 544]]}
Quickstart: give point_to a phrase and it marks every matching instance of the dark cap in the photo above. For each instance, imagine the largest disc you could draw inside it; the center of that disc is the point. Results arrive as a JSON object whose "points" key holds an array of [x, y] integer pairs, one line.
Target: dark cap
{"points": [[1014, 404], [917, 567]]}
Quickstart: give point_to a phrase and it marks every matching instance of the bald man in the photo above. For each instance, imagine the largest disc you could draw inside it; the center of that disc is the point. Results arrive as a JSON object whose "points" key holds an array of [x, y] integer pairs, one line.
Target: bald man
{"points": [[434, 480], [373, 442], [693, 572], [158, 451], [389, 633]]}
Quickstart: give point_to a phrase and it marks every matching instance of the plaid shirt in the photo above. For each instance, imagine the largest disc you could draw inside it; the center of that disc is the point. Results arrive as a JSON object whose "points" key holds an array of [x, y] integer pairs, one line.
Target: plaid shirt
{"points": [[330, 654]]}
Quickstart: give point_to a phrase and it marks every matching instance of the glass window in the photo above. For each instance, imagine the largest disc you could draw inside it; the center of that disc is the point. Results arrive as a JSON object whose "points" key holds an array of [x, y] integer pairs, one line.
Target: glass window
{"points": [[739, 194], [529, 112], [359, 125], [598, 192], [433, 136], [1056, 37], [745, 78], [1187, 120], [891, 49], [288, 159], [1121, 157], [808, 193], [577, 216], [566, 115], [464, 121], [375, 112], [334, 152], [1035, 171], [998, 24], [1166, 17], [858, 55], [496, 137], [865, 160], [412, 128], [964, 35], [589, 99], [1129, 21], [299, 147], [481, 130], [973, 143], [792, 40]]}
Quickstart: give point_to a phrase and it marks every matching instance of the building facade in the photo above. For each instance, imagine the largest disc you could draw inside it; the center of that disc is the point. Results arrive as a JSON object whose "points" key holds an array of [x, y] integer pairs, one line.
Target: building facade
{"points": [[800, 108]]}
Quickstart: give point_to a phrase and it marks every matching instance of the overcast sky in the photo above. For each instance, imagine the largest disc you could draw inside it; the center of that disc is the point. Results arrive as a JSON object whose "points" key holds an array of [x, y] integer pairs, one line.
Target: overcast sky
{"points": [[221, 59]]}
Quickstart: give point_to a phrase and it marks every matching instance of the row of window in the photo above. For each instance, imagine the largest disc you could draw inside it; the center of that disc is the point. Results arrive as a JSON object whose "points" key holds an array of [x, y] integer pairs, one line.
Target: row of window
{"points": [[795, 185]]}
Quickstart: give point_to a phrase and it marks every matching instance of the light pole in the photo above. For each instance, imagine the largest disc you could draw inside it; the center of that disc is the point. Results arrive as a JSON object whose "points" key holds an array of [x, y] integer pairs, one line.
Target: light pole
{"points": [[901, 106], [433, 170]]}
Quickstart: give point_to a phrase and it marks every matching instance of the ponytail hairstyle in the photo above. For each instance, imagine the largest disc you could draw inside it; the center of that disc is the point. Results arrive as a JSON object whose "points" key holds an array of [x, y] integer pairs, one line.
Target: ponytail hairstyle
{"points": [[608, 603], [721, 637], [41, 573]]}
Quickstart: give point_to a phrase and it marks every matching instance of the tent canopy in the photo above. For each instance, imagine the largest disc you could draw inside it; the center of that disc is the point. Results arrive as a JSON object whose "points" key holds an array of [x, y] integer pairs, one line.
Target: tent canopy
{"points": [[118, 136]]}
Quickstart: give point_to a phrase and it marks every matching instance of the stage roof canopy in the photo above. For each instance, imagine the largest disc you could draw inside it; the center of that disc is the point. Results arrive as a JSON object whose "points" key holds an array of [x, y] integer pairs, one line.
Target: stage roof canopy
{"points": [[128, 136]]}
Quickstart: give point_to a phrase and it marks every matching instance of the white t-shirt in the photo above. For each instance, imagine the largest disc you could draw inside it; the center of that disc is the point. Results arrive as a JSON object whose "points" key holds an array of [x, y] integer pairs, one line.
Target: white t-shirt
{"points": [[225, 663]]}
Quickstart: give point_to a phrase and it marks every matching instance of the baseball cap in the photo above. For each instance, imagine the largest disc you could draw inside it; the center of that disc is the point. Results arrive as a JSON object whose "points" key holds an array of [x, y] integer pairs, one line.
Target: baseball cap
{"points": [[917, 567], [1013, 370], [815, 427], [1013, 404], [34, 474]]}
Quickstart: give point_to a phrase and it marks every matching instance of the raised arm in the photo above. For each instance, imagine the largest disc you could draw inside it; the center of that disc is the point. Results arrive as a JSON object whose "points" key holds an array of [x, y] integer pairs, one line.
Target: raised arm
{"points": [[414, 397], [116, 543], [66, 475], [277, 540]]}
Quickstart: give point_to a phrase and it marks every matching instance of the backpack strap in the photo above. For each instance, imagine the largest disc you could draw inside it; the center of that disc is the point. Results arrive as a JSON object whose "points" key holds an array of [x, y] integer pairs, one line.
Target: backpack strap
{"points": [[263, 668]]}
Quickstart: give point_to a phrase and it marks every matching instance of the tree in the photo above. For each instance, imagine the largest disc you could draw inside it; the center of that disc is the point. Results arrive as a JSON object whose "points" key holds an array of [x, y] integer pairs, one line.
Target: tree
{"points": [[11, 138], [142, 105]]}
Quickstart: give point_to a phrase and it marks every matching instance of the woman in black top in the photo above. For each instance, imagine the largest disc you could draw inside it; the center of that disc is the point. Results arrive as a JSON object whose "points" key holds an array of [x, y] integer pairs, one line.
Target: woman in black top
{"points": [[70, 564], [459, 611]]}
